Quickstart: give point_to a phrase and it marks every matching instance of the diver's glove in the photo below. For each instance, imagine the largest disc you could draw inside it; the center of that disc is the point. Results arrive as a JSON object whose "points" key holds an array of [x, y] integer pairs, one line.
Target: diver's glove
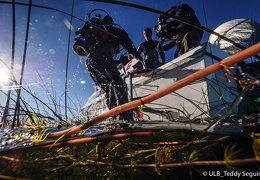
{"points": [[138, 56]]}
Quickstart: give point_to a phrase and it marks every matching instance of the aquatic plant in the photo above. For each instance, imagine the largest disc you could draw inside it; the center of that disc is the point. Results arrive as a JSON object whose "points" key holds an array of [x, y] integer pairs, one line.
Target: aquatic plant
{"points": [[132, 153]]}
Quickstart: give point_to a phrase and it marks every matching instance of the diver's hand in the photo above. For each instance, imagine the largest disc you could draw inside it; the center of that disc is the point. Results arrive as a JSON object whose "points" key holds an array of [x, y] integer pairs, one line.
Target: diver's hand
{"points": [[130, 57], [139, 57]]}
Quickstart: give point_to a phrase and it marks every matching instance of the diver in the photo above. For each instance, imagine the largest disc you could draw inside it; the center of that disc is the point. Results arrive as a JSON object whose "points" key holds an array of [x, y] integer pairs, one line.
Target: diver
{"points": [[183, 36], [150, 49], [100, 42]]}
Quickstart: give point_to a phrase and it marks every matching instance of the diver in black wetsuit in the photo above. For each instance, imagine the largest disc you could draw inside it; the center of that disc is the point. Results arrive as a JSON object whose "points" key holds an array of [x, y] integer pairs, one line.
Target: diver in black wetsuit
{"points": [[100, 41], [150, 49], [183, 36]]}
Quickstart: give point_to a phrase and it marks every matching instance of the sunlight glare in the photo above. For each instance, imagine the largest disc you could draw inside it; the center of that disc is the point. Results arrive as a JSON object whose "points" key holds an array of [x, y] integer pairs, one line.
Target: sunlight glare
{"points": [[4, 75], [68, 24]]}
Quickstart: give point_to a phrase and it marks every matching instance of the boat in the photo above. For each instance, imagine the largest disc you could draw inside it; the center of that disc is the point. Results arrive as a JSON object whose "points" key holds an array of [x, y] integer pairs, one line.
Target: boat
{"points": [[202, 101]]}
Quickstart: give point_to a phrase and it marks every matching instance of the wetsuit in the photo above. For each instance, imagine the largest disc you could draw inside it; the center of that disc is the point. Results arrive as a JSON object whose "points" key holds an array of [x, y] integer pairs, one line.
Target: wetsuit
{"points": [[184, 36], [103, 70], [150, 50]]}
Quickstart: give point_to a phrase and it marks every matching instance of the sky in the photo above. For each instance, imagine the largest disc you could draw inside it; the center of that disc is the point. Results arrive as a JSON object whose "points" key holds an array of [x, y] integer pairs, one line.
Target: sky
{"points": [[51, 66]]}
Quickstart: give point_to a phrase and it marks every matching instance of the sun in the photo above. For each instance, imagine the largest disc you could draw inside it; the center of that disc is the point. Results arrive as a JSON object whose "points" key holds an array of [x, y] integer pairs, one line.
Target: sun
{"points": [[4, 75]]}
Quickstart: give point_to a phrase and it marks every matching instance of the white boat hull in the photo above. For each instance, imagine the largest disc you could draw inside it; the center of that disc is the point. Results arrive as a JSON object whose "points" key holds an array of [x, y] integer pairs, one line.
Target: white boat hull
{"points": [[205, 98]]}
